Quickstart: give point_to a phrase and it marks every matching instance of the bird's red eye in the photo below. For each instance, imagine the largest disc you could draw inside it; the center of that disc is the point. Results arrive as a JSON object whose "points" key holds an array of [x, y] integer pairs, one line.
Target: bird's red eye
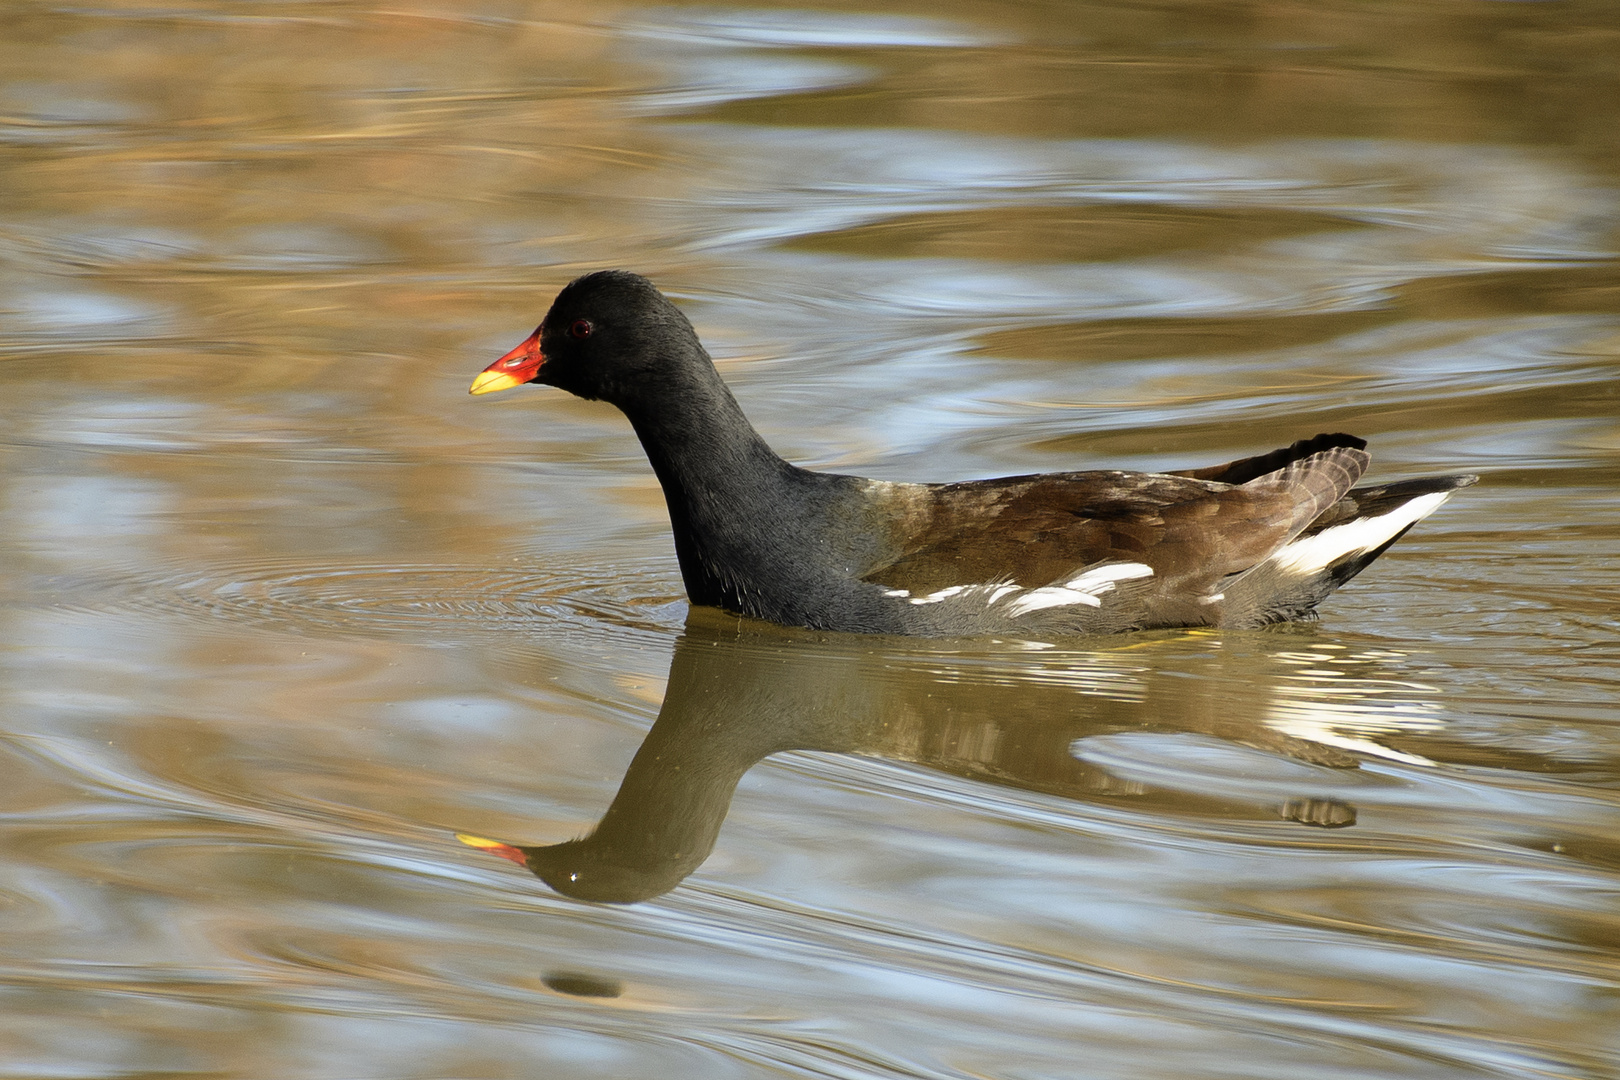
{"points": [[581, 329]]}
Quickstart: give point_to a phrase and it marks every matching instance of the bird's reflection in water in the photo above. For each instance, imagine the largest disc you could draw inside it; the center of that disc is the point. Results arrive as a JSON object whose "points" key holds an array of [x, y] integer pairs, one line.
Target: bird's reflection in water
{"points": [[1022, 714]]}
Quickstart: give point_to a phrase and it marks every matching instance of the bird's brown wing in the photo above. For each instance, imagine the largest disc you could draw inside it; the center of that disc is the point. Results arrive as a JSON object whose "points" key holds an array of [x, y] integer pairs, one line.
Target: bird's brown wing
{"points": [[1250, 468], [1035, 530]]}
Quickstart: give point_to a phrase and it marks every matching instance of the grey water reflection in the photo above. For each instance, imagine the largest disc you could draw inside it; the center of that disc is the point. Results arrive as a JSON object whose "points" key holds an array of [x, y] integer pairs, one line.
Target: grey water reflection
{"points": [[1065, 721]]}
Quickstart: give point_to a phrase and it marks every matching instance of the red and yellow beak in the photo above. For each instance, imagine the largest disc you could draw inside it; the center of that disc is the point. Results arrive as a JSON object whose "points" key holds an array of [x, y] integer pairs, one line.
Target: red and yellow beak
{"points": [[495, 847], [517, 367]]}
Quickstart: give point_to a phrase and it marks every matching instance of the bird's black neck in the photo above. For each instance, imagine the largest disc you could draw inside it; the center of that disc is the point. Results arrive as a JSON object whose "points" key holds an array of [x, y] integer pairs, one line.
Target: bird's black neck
{"points": [[753, 533], [734, 504]]}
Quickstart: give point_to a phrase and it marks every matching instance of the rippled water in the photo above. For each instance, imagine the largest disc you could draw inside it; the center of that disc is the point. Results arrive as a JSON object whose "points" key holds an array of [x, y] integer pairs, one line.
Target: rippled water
{"points": [[283, 609]]}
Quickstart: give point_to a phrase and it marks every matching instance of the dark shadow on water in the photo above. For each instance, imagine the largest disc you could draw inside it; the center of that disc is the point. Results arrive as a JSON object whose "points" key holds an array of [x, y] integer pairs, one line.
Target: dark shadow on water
{"points": [[1285, 708]]}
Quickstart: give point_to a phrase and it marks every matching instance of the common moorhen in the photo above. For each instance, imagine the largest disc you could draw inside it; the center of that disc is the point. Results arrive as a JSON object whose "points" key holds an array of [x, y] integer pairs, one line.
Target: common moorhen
{"points": [[1251, 542]]}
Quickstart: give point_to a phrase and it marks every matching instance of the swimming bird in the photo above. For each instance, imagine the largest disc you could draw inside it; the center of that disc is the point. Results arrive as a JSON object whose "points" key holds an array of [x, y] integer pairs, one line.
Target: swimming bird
{"points": [[1250, 542]]}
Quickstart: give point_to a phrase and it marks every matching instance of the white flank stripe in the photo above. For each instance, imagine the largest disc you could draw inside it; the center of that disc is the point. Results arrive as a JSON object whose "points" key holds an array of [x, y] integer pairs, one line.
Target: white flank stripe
{"points": [[1083, 589], [1102, 578], [943, 594], [1311, 554], [990, 593], [1050, 596]]}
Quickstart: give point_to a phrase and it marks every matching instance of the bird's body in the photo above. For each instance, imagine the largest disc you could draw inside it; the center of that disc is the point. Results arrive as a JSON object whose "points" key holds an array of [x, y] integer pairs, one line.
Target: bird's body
{"points": [[1251, 542]]}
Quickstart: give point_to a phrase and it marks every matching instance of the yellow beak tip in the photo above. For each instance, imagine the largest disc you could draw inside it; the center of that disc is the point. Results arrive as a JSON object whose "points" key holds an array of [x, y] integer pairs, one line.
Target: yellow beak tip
{"points": [[490, 381]]}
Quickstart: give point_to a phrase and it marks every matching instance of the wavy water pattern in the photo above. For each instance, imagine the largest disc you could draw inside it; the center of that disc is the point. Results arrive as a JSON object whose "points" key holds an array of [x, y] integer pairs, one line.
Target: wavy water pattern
{"points": [[283, 610]]}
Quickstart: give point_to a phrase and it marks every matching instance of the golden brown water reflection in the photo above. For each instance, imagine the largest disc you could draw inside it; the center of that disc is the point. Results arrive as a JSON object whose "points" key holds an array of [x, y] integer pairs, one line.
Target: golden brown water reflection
{"points": [[1029, 715], [283, 608]]}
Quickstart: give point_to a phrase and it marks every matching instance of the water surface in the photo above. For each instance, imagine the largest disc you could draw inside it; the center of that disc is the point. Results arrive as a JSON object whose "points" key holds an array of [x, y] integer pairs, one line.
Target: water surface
{"points": [[283, 609]]}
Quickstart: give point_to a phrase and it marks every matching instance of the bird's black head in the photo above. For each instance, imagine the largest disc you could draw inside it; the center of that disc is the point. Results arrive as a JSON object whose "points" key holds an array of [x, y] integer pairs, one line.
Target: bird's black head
{"points": [[609, 335]]}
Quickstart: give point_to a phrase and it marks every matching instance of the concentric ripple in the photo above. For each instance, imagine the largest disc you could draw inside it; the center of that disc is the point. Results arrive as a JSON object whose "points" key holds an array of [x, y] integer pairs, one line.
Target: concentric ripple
{"points": [[370, 599]]}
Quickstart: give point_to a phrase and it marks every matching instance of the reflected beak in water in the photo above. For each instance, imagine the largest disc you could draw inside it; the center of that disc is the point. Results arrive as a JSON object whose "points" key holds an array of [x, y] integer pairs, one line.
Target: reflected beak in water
{"points": [[517, 367], [495, 847]]}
